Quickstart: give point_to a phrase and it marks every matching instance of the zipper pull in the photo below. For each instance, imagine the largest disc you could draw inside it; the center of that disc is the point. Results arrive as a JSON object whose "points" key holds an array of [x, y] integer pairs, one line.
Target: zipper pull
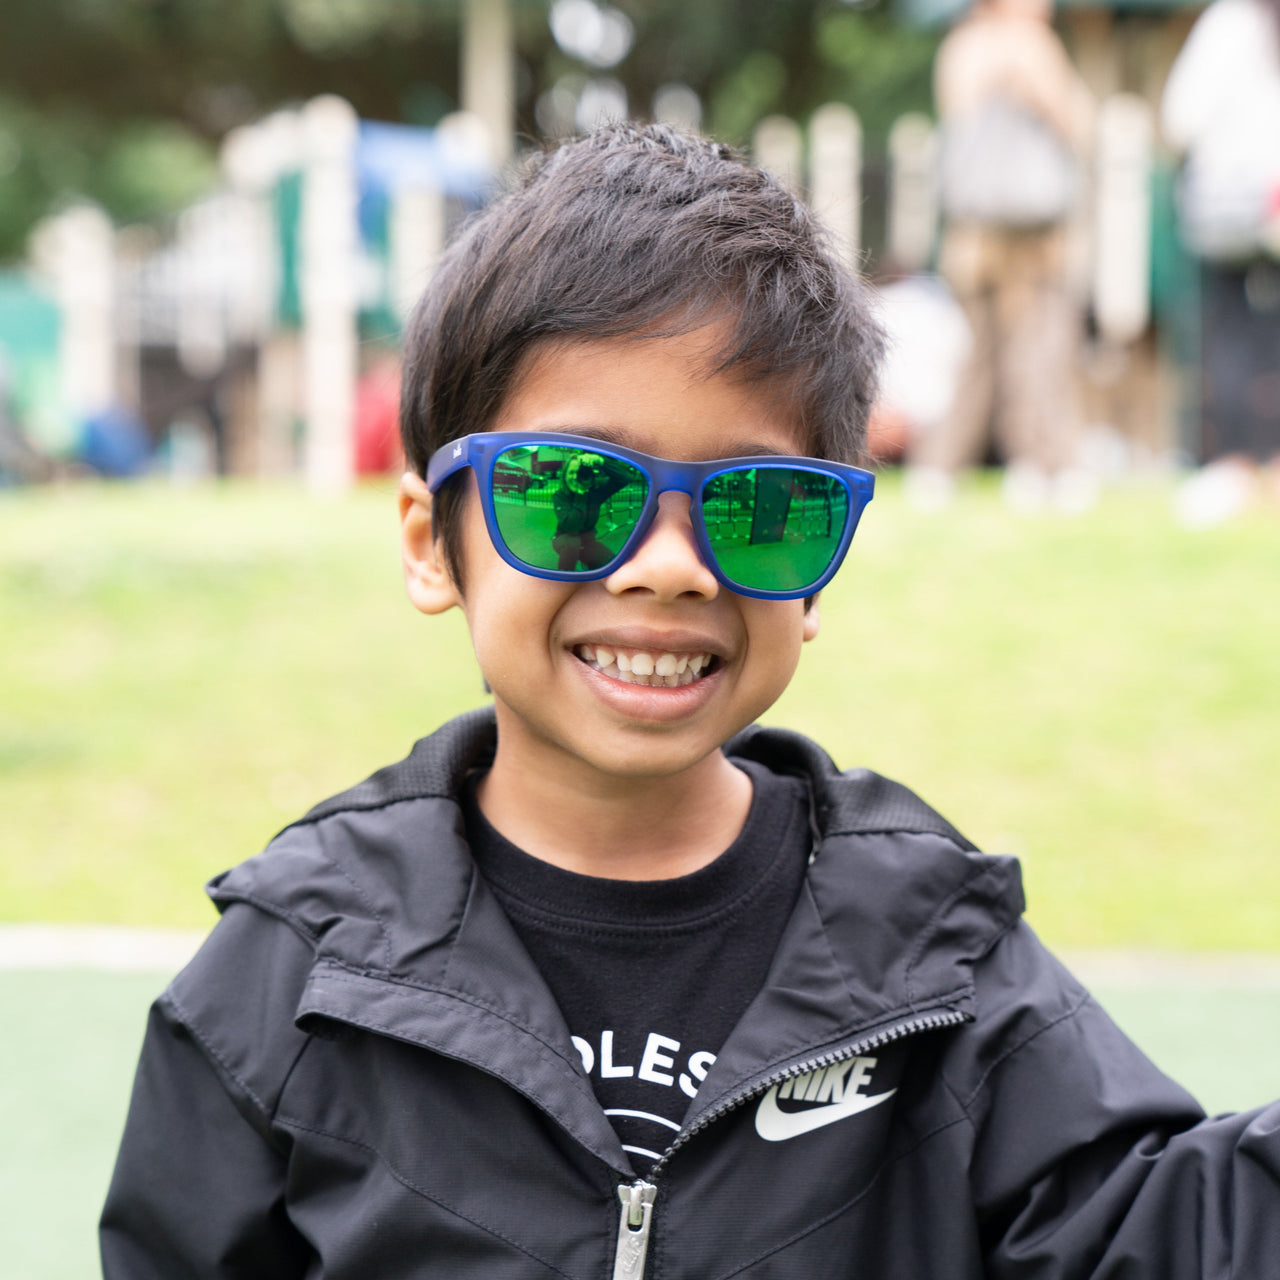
{"points": [[633, 1230]]}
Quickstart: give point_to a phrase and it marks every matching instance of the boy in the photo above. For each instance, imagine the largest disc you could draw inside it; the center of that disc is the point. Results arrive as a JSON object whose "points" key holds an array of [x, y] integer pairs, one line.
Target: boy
{"points": [[604, 982]]}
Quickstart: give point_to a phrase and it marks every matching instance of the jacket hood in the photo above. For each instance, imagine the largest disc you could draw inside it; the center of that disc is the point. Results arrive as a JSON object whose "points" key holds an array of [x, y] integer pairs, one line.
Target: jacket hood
{"points": [[896, 908]]}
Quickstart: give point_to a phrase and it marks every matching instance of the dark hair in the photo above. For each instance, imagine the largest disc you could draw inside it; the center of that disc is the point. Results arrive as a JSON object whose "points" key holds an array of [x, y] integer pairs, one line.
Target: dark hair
{"points": [[639, 229]]}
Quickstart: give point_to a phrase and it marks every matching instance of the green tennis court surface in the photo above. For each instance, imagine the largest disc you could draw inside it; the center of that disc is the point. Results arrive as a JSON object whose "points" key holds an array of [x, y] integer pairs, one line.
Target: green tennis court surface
{"points": [[71, 1038]]}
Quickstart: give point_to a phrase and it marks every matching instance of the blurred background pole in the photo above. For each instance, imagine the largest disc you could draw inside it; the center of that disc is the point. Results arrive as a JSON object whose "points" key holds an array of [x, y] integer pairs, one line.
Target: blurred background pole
{"points": [[279, 393], [776, 146], [203, 263], [489, 72], [1122, 235], [1132, 379], [835, 175], [251, 166], [75, 253], [416, 234], [329, 294], [913, 192]]}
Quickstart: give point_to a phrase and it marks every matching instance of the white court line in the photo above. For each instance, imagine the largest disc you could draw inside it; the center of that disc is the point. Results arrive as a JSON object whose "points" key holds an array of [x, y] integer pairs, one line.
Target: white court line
{"points": [[98, 948], [1143, 968], [116, 949]]}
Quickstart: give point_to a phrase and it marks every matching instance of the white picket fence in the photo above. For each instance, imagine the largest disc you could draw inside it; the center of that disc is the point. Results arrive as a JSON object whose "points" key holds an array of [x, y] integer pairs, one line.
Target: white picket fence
{"points": [[212, 285]]}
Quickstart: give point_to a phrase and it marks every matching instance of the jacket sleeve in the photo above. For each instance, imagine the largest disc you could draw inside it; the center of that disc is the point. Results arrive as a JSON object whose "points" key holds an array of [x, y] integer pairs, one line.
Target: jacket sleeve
{"points": [[1088, 1162], [199, 1186]]}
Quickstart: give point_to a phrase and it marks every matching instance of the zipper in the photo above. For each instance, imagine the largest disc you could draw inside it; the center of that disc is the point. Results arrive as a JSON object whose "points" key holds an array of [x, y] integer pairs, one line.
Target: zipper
{"points": [[637, 1197], [633, 1230]]}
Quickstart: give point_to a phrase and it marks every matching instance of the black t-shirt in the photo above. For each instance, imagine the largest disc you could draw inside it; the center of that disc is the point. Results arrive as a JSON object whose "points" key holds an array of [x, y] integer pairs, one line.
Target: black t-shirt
{"points": [[652, 975]]}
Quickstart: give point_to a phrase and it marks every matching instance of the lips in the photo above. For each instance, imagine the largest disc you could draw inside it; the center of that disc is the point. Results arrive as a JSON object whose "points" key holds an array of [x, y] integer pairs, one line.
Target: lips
{"points": [[656, 668]]}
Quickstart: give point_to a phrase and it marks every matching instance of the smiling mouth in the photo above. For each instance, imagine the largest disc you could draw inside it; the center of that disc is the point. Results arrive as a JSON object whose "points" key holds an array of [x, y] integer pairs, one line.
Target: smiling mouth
{"points": [[657, 669]]}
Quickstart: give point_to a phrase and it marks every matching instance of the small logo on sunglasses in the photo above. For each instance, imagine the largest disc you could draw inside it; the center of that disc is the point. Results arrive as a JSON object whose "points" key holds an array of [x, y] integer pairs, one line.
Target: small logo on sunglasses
{"points": [[457, 451]]}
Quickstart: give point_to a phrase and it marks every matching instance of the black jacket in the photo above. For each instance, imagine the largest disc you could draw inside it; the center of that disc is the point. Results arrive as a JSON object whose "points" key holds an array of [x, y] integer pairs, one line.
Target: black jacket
{"points": [[361, 1075]]}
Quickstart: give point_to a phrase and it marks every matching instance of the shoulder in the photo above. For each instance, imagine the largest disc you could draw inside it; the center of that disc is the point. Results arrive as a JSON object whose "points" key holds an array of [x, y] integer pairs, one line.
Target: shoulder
{"points": [[374, 871], [364, 881], [1230, 19], [1044, 1076], [889, 865], [1228, 37]]}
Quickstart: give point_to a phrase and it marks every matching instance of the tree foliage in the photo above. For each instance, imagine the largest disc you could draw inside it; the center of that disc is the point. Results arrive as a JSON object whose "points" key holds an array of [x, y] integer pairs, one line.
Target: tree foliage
{"points": [[124, 101]]}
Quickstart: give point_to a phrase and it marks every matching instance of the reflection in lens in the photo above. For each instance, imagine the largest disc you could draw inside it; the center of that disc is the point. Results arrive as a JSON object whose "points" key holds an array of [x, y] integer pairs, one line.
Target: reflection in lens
{"points": [[774, 528], [564, 507]]}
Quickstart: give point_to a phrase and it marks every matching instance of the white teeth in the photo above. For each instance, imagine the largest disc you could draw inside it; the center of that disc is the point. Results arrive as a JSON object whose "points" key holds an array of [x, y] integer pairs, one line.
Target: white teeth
{"points": [[660, 670]]}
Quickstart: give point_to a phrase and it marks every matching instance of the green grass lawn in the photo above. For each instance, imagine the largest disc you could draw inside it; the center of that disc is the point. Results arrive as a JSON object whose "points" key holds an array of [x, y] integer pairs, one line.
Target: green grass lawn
{"points": [[183, 671]]}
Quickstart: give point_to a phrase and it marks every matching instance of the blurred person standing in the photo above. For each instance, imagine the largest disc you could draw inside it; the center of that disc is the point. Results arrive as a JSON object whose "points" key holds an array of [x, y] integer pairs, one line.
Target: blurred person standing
{"points": [[1221, 110], [926, 350], [1016, 124]]}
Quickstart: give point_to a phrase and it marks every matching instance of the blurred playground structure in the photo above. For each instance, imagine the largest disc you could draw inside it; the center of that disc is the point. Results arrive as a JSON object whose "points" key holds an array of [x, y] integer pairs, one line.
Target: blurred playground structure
{"points": [[235, 338], [255, 333]]}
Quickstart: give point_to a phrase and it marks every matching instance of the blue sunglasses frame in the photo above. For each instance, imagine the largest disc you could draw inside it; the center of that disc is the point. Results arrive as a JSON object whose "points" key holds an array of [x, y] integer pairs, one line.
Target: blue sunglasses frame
{"points": [[481, 451]]}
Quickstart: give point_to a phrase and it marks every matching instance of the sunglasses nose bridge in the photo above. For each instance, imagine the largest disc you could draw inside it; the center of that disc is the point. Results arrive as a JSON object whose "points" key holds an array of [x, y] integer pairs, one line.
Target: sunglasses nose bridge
{"points": [[676, 477], [686, 478]]}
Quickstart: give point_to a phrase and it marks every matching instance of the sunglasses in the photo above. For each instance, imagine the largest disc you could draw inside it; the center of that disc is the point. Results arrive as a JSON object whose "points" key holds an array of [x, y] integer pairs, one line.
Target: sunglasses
{"points": [[573, 509]]}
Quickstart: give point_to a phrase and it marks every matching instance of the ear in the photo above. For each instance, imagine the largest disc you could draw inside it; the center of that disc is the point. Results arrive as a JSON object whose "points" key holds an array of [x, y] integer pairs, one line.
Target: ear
{"points": [[426, 574], [811, 619]]}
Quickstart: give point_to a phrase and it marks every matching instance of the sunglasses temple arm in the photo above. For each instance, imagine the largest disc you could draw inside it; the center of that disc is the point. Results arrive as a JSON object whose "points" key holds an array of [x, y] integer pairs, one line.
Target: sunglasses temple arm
{"points": [[446, 461]]}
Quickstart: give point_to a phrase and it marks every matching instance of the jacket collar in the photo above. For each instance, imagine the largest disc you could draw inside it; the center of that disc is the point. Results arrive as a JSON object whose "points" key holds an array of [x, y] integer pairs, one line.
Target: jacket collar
{"points": [[410, 942]]}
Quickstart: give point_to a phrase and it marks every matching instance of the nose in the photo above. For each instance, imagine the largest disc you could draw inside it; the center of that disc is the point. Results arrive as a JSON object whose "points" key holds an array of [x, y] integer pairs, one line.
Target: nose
{"points": [[667, 562]]}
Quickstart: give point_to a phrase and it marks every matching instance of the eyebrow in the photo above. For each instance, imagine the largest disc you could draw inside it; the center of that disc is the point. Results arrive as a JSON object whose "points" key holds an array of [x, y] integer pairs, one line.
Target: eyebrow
{"points": [[737, 448]]}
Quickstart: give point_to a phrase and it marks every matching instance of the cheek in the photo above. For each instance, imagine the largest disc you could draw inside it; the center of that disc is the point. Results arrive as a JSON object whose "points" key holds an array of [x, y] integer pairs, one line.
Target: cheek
{"points": [[512, 619], [777, 633]]}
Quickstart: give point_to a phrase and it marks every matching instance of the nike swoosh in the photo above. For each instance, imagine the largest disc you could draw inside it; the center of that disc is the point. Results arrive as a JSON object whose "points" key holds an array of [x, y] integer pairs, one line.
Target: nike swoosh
{"points": [[776, 1125]]}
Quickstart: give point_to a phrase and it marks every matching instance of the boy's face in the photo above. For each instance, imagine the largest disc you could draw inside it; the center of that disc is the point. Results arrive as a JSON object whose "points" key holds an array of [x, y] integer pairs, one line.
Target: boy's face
{"points": [[539, 643]]}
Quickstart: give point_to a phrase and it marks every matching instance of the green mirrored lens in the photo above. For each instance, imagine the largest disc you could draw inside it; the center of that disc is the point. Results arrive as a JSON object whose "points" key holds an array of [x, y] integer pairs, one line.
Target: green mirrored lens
{"points": [[774, 528], [564, 507]]}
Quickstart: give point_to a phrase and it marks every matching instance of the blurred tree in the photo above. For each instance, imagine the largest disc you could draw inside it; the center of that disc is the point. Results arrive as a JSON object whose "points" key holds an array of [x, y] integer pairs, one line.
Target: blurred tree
{"points": [[746, 60], [142, 168], [875, 64], [124, 100]]}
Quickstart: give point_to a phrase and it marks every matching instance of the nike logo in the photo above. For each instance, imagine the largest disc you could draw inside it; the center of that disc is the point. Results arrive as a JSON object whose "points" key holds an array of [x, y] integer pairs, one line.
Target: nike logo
{"points": [[817, 1098]]}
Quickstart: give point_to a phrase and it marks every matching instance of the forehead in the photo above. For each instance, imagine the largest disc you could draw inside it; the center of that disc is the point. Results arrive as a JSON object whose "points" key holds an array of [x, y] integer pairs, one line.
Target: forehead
{"points": [[656, 394]]}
